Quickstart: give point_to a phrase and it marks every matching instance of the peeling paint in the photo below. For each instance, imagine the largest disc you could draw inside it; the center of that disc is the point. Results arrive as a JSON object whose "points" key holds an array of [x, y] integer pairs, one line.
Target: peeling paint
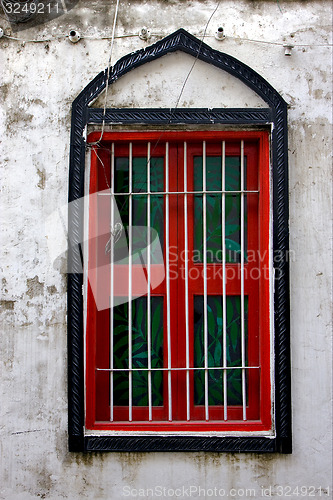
{"points": [[7, 305], [42, 178], [52, 289], [34, 287]]}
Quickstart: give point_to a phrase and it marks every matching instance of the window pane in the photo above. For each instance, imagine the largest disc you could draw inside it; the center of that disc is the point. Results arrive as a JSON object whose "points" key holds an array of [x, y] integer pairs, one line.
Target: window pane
{"points": [[120, 355], [139, 352], [157, 223], [139, 219], [233, 228], [139, 175], [233, 173], [121, 186], [157, 202], [121, 175], [139, 216], [215, 348], [214, 209], [157, 174]]}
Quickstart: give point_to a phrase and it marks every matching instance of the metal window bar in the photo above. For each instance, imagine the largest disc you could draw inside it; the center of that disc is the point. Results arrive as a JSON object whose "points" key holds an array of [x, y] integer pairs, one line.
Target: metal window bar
{"points": [[242, 284], [204, 209], [187, 333], [148, 283], [177, 369], [167, 259], [112, 201], [224, 293], [141, 193], [130, 245]]}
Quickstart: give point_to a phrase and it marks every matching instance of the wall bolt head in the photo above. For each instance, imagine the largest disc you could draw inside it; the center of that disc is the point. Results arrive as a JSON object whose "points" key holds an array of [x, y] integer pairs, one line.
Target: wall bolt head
{"points": [[74, 36], [287, 49], [144, 34], [219, 34]]}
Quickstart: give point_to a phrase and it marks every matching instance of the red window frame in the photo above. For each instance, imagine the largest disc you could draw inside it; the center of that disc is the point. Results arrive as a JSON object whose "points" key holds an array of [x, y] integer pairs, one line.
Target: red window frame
{"points": [[259, 409]]}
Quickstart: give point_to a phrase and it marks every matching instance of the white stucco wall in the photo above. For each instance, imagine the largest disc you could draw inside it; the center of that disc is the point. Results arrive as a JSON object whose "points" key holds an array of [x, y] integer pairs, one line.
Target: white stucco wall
{"points": [[38, 82]]}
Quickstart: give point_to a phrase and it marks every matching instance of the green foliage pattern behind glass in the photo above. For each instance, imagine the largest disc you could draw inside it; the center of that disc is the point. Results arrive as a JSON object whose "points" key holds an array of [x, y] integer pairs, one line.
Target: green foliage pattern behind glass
{"points": [[214, 208], [215, 349], [139, 201], [139, 352]]}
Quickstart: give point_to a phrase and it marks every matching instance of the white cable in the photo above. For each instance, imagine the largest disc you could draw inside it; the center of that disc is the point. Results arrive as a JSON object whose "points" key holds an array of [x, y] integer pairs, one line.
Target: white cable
{"points": [[134, 35], [278, 43], [197, 56], [108, 75]]}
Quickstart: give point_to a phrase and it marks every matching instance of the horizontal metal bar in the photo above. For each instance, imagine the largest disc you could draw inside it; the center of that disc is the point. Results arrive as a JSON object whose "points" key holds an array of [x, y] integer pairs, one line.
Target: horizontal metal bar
{"points": [[153, 193], [178, 369]]}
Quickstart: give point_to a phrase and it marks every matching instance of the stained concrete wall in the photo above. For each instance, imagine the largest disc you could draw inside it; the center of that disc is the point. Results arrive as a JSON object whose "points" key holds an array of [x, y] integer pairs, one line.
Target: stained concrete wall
{"points": [[39, 81]]}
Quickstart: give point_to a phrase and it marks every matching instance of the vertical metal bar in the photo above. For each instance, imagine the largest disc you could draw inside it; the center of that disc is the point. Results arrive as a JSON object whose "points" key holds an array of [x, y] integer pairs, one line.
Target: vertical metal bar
{"points": [[130, 245], [242, 285], [187, 333], [167, 259], [111, 279], [224, 292], [204, 217], [148, 284]]}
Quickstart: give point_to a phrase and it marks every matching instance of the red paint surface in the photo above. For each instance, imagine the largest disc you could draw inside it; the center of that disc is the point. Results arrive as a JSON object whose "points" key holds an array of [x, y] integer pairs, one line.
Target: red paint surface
{"points": [[256, 149]]}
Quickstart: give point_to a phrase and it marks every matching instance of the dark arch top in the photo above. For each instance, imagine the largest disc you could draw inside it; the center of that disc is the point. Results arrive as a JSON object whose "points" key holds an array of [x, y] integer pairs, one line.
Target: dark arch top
{"points": [[275, 116], [183, 41], [180, 40]]}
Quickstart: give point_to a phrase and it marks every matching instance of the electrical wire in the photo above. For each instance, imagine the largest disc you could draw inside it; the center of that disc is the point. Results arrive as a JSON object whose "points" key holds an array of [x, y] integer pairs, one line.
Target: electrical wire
{"points": [[131, 35], [281, 44], [179, 96], [97, 143], [184, 83], [41, 40], [197, 56], [178, 99], [108, 73], [277, 1], [101, 161], [134, 35]]}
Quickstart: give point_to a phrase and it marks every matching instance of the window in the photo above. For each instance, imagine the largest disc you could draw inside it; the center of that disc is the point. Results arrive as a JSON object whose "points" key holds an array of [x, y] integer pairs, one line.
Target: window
{"points": [[178, 330], [213, 373]]}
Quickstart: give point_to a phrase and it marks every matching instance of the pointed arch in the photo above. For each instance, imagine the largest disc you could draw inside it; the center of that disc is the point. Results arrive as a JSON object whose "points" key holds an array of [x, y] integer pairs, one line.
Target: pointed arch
{"points": [[275, 116]]}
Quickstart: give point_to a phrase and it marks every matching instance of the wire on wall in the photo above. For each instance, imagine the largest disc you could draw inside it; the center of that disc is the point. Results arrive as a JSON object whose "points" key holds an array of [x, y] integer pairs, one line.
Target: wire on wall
{"points": [[112, 37], [161, 35], [97, 143], [197, 56], [108, 73]]}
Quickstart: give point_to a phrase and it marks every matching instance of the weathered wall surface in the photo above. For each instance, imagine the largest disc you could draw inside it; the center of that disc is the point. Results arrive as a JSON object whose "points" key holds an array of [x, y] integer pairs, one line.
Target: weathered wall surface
{"points": [[38, 82]]}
